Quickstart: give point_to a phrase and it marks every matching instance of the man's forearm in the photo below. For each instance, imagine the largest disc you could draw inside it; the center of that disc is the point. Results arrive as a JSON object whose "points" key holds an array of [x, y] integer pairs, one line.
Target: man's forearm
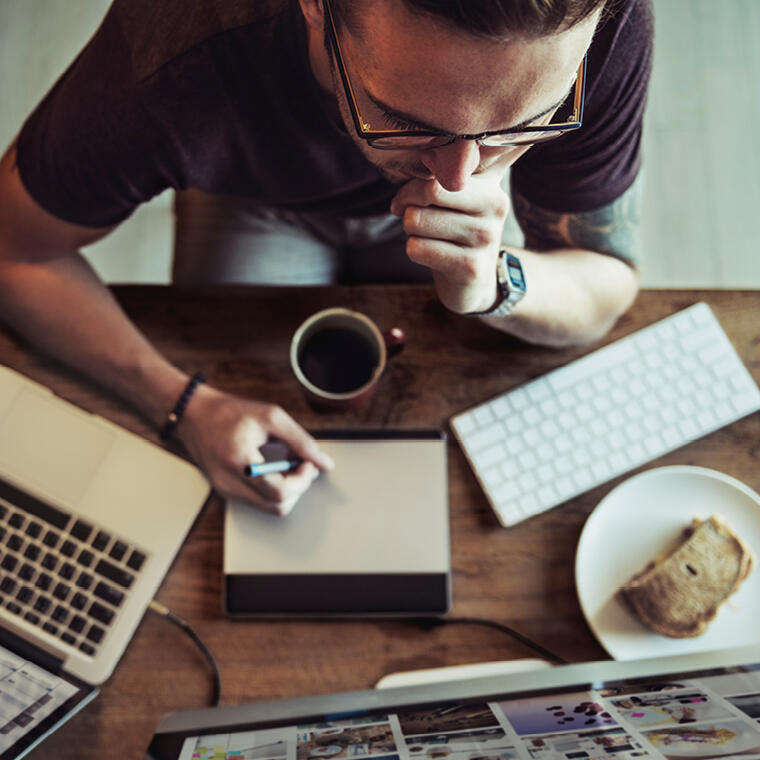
{"points": [[573, 297], [61, 307]]}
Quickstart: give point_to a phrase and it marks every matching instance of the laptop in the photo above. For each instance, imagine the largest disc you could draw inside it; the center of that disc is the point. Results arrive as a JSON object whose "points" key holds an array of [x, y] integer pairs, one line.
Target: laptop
{"points": [[703, 705], [91, 517]]}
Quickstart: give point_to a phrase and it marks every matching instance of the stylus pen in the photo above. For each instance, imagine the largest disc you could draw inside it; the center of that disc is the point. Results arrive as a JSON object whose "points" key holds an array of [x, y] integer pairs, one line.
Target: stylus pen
{"points": [[267, 468]]}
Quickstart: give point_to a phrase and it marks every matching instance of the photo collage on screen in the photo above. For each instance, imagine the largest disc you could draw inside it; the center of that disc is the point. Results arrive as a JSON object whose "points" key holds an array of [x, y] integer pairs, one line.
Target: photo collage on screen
{"points": [[712, 717]]}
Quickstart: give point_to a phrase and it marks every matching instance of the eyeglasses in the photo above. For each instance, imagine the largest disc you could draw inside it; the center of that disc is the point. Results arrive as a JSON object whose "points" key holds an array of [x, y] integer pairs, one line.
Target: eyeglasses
{"points": [[420, 139]]}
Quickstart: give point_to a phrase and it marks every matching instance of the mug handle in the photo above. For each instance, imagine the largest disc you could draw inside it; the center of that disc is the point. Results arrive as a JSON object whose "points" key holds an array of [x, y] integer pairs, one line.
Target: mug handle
{"points": [[395, 340]]}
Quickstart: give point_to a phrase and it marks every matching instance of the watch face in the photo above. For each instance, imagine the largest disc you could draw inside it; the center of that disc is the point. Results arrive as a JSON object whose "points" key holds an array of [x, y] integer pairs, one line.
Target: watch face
{"points": [[515, 272]]}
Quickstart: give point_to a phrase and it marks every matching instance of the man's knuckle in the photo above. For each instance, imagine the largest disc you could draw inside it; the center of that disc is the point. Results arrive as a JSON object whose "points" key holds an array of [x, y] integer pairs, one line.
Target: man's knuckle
{"points": [[416, 248], [274, 414], [470, 266], [412, 219], [482, 237], [501, 205]]}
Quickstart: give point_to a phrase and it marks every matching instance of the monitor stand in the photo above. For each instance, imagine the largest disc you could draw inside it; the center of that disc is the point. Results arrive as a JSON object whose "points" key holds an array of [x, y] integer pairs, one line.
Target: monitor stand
{"points": [[459, 672]]}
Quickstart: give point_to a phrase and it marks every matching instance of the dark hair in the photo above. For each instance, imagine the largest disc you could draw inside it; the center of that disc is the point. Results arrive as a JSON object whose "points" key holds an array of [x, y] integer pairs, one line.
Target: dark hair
{"points": [[494, 19]]}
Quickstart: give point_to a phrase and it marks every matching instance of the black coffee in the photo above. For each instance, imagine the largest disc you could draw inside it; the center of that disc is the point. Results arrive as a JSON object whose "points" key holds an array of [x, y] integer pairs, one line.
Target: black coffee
{"points": [[337, 360]]}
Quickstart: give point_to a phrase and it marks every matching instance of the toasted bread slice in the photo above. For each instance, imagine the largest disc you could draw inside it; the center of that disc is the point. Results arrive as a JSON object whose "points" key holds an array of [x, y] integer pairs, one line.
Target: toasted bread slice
{"points": [[679, 594]]}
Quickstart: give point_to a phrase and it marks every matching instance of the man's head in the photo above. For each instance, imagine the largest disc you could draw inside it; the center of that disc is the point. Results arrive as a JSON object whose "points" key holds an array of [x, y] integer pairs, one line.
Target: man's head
{"points": [[411, 66], [492, 19]]}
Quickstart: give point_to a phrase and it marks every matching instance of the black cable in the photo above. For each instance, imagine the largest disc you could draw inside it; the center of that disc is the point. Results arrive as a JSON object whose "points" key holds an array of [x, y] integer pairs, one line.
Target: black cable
{"points": [[160, 609], [431, 622]]}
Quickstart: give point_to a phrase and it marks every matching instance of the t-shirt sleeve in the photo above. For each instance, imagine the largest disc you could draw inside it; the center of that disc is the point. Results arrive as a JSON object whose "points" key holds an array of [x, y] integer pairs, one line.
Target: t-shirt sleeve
{"points": [[92, 150], [590, 168]]}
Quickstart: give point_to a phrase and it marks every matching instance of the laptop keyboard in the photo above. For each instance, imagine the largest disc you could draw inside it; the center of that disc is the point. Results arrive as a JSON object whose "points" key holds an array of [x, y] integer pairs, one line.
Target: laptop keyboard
{"points": [[61, 573]]}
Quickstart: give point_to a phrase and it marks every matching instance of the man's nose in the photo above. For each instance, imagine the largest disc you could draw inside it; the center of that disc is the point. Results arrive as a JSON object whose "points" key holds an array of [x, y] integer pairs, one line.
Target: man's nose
{"points": [[453, 164]]}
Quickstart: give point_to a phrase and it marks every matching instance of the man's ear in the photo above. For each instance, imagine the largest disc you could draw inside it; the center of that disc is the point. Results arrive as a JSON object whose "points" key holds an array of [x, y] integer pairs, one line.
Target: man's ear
{"points": [[313, 12]]}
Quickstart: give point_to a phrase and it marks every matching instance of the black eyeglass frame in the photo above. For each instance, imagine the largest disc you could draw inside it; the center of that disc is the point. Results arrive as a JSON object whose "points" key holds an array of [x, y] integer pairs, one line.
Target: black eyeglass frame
{"points": [[365, 131]]}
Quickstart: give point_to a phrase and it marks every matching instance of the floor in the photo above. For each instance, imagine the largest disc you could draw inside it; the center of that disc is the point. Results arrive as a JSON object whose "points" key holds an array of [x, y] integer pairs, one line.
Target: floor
{"points": [[702, 159]]}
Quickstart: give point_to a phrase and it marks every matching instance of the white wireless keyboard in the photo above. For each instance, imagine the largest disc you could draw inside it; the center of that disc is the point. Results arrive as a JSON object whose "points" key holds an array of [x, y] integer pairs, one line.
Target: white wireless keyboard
{"points": [[615, 409]]}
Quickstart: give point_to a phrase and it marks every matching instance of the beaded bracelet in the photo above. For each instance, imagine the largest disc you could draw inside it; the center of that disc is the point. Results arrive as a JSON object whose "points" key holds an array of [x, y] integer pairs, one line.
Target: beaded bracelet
{"points": [[176, 413]]}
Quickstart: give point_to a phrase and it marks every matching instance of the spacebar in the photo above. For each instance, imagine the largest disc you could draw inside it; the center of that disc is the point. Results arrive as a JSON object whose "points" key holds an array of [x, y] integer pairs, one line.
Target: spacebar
{"points": [[33, 506]]}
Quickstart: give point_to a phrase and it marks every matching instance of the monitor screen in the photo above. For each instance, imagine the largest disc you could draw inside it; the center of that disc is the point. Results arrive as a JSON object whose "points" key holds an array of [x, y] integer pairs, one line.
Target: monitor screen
{"points": [[712, 712]]}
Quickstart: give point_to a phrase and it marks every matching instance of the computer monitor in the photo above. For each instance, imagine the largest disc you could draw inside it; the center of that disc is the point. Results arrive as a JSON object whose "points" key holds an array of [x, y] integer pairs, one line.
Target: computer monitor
{"points": [[694, 706]]}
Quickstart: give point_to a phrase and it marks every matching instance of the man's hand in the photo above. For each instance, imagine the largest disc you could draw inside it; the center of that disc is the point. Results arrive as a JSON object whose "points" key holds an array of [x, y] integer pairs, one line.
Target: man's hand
{"points": [[457, 234], [223, 433]]}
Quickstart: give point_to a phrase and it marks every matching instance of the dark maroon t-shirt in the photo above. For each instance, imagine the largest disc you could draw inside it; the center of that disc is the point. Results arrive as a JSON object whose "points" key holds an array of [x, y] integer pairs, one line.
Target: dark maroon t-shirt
{"points": [[218, 95]]}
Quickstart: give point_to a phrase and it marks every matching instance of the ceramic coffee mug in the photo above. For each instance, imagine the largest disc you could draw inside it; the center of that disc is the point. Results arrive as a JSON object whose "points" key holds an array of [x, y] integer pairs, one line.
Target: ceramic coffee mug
{"points": [[338, 356]]}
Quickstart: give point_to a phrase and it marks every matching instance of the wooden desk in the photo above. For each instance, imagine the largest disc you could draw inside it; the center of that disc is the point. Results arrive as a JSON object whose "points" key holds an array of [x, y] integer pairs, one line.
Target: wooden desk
{"points": [[523, 576]]}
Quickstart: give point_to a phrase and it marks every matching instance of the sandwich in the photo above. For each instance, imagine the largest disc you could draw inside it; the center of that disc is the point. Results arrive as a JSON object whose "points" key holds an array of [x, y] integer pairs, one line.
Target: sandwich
{"points": [[678, 594]]}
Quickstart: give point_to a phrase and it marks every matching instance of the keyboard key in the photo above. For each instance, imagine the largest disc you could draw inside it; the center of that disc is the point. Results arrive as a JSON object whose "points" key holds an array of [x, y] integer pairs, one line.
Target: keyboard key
{"points": [[50, 628], [68, 638], [32, 552], [487, 457], [51, 539], [32, 618], [538, 390], [67, 571], [85, 558], [101, 613], [77, 624], [87, 648], [101, 540], [7, 585], [109, 594], [78, 601], [61, 591], [84, 580], [16, 520], [14, 608], [136, 560], [9, 562], [14, 542], [118, 550], [26, 572], [60, 614], [50, 561], [95, 633], [42, 604], [43, 581], [483, 416], [68, 548], [81, 530], [113, 573]]}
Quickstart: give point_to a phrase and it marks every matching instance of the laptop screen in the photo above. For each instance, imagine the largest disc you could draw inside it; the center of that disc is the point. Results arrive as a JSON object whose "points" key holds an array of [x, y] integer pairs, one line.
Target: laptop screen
{"points": [[33, 701], [708, 712]]}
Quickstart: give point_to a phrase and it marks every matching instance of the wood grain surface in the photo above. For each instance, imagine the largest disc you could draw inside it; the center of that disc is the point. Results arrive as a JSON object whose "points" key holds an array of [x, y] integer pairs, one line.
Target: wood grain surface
{"points": [[523, 576]]}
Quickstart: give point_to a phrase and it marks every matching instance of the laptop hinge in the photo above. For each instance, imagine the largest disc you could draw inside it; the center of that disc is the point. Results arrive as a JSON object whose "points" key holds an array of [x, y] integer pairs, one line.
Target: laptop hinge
{"points": [[30, 652]]}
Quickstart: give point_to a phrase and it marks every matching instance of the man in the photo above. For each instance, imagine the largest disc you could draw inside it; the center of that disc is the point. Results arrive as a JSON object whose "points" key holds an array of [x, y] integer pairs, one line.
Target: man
{"points": [[314, 121]]}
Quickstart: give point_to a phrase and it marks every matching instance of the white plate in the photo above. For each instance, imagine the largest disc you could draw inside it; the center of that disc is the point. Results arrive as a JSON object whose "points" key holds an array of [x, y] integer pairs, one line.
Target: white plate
{"points": [[635, 523]]}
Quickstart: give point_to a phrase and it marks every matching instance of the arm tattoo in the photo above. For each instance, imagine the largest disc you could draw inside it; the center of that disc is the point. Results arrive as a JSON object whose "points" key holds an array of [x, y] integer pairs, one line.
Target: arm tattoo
{"points": [[613, 229]]}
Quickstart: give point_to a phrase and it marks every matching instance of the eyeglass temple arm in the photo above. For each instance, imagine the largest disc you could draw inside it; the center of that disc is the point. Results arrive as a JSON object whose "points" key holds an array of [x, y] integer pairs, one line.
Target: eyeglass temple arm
{"points": [[580, 90]]}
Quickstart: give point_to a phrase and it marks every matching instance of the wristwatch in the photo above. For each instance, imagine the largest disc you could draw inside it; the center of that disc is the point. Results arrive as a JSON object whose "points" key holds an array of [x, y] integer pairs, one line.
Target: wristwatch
{"points": [[510, 285]]}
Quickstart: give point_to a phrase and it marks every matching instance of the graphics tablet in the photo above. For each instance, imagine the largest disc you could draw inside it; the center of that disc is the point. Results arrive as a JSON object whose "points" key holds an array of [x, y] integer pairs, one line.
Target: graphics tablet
{"points": [[705, 705], [371, 537]]}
